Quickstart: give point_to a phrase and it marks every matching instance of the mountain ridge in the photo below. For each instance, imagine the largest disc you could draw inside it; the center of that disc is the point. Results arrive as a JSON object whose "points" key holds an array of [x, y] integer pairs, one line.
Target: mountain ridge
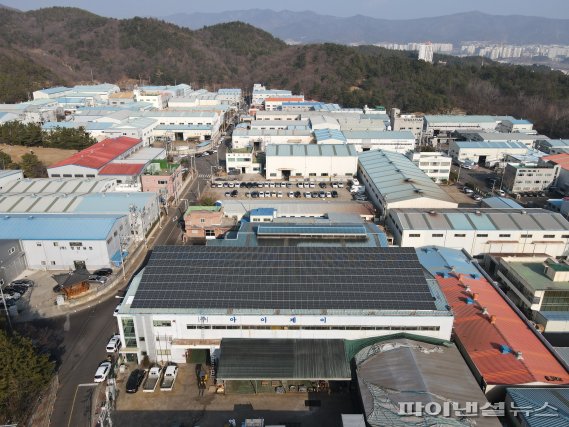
{"points": [[310, 27]]}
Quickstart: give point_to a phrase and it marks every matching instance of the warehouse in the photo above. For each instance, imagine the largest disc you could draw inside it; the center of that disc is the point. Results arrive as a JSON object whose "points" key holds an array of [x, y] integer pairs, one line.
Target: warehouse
{"points": [[260, 292], [481, 231], [260, 139], [399, 142], [327, 162], [63, 242], [485, 153], [393, 181]]}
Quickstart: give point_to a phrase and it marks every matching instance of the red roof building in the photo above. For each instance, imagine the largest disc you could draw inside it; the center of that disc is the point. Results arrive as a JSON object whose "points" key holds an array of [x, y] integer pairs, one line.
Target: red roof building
{"points": [[122, 169], [502, 348], [95, 157], [559, 159]]}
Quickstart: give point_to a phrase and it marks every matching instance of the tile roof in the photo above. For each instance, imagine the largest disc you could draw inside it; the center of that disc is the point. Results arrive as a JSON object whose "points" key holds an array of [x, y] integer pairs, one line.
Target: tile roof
{"points": [[481, 339], [122, 169], [99, 154], [559, 159]]}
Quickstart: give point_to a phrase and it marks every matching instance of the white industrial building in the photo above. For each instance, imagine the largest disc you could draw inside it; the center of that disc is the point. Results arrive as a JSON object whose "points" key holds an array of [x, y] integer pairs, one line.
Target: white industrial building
{"points": [[410, 122], [444, 124], [326, 162], [64, 242], [278, 124], [9, 177], [435, 164], [399, 141], [393, 181], [482, 231], [516, 126], [253, 292], [529, 140], [243, 161], [485, 153], [522, 177], [261, 93], [260, 139]]}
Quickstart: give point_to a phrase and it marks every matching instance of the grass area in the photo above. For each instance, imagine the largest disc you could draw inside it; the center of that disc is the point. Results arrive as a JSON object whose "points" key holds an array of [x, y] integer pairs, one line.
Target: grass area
{"points": [[48, 156]]}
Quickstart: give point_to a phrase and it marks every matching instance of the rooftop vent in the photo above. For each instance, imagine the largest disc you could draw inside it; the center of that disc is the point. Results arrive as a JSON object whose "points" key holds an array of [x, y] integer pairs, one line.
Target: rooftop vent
{"points": [[484, 310], [478, 213], [432, 213], [31, 217], [418, 191], [406, 179], [467, 289], [469, 301], [519, 355], [493, 319], [524, 212], [504, 349]]}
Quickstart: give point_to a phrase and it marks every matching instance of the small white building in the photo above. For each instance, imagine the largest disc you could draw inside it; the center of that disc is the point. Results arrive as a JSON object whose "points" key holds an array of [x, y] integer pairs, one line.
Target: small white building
{"points": [[393, 181], [435, 164], [485, 153], [243, 161], [63, 241], [521, 177], [516, 126], [326, 162], [398, 142], [481, 231], [260, 139]]}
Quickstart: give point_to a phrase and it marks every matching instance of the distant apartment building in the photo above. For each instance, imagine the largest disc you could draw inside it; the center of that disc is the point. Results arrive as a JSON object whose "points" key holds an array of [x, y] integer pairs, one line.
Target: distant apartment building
{"points": [[435, 164], [426, 52]]}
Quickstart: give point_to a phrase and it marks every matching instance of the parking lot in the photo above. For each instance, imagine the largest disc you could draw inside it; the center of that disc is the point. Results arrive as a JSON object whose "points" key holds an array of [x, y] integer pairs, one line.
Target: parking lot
{"points": [[184, 406], [279, 190]]}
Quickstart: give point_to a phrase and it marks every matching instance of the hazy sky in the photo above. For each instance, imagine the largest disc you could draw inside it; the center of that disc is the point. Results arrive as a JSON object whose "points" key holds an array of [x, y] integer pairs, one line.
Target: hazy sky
{"points": [[391, 9]]}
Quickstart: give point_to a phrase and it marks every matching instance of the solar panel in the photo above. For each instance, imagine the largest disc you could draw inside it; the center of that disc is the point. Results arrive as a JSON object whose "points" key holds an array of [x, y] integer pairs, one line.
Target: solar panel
{"points": [[287, 278]]}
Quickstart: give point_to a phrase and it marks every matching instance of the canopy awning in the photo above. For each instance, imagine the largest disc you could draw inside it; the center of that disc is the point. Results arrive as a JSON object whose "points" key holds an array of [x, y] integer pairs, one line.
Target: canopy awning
{"points": [[283, 359], [117, 260]]}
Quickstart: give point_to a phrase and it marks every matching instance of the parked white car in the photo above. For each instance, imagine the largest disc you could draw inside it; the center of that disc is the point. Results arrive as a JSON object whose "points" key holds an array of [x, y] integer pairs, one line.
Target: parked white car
{"points": [[102, 372], [114, 344]]}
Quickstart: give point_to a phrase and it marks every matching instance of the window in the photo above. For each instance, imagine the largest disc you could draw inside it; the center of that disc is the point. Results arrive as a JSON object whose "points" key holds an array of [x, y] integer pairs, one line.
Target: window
{"points": [[273, 174], [52, 262], [312, 174], [163, 352], [162, 323], [565, 236], [460, 235], [90, 176], [38, 243], [43, 263], [526, 236], [78, 175], [162, 182], [67, 175], [549, 236], [141, 339], [210, 233], [72, 244], [109, 240], [55, 244], [438, 235], [55, 175], [90, 248], [482, 235], [505, 235], [414, 235]]}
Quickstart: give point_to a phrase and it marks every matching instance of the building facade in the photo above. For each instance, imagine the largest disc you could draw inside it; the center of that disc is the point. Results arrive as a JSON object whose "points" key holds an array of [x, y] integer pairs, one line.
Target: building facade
{"points": [[435, 164], [519, 178]]}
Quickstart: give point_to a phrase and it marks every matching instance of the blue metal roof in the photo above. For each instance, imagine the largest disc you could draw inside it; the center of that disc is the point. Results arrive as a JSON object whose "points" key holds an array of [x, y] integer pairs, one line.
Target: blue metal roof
{"points": [[437, 260], [501, 203], [490, 144], [326, 134], [53, 90], [56, 227], [379, 134], [537, 414], [262, 212], [62, 125], [204, 143]]}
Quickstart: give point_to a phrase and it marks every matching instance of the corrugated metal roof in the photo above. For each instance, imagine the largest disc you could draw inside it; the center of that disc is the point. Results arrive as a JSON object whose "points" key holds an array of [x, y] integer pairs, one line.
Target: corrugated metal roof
{"points": [[379, 134], [283, 359], [480, 219], [482, 339], [397, 178], [287, 150], [127, 169], [327, 134], [56, 227], [534, 401], [490, 144], [500, 203], [60, 185]]}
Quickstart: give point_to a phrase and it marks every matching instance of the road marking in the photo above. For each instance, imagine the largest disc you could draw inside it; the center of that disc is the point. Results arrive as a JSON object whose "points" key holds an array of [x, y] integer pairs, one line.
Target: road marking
{"points": [[75, 398]]}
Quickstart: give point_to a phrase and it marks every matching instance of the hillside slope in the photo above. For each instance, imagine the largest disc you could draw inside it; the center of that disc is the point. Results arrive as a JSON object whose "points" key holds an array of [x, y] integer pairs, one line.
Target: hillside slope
{"points": [[69, 46]]}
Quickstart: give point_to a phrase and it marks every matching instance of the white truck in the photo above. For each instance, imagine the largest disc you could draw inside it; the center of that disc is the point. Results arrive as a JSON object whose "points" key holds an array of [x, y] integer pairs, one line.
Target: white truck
{"points": [[152, 379], [169, 378]]}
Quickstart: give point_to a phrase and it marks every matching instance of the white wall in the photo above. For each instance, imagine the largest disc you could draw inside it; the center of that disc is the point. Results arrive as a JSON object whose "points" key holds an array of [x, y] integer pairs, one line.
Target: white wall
{"points": [[332, 166]]}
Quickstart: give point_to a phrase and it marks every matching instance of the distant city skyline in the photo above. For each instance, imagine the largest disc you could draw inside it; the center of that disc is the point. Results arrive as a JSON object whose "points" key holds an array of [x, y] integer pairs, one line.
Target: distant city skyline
{"points": [[387, 9]]}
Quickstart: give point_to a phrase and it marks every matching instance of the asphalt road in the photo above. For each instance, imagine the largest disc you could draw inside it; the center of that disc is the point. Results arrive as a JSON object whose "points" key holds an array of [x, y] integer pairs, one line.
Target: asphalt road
{"points": [[86, 333]]}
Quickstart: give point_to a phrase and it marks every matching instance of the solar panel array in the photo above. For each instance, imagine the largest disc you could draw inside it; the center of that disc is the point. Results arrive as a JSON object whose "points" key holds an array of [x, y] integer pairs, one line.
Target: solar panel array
{"points": [[283, 278], [313, 230]]}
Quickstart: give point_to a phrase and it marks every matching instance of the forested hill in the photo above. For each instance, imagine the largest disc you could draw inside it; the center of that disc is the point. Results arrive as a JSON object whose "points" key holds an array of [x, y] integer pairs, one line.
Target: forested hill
{"points": [[68, 46]]}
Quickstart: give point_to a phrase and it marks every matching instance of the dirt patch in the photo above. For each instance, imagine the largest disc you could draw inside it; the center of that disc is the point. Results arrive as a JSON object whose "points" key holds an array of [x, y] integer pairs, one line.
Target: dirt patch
{"points": [[48, 156]]}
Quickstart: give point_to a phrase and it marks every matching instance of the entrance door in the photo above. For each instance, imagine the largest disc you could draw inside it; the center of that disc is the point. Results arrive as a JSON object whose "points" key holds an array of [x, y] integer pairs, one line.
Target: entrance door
{"points": [[79, 265], [286, 174], [482, 160]]}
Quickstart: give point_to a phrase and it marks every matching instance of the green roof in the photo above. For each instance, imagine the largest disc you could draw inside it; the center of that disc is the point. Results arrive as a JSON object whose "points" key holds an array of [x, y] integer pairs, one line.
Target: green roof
{"points": [[555, 266], [164, 165], [533, 274], [202, 208]]}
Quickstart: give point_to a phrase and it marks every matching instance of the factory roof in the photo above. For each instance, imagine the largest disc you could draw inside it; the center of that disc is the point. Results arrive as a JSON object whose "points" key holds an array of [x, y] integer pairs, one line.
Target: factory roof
{"points": [[500, 203], [284, 99], [491, 341], [243, 132], [465, 219], [327, 150], [442, 119], [103, 87], [328, 134], [397, 370], [500, 136], [263, 212], [101, 153], [52, 90], [379, 134], [555, 142], [540, 407], [60, 185], [500, 145], [234, 280], [126, 169], [397, 178], [60, 125], [562, 160], [56, 227], [183, 127]]}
